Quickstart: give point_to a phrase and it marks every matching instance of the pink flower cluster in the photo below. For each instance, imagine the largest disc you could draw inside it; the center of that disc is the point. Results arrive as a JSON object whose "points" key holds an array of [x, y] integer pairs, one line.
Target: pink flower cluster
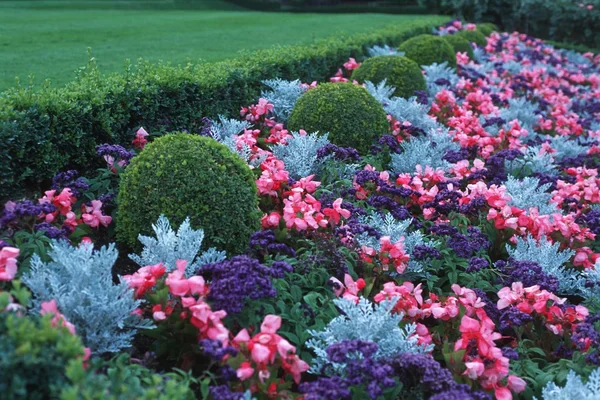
{"points": [[389, 255], [349, 289], [8, 263], [263, 349], [90, 215], [544, 303]]}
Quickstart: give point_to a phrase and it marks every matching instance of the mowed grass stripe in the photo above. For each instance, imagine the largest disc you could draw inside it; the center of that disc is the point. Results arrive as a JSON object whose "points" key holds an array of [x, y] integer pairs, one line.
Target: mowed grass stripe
{"points": [[50, 39]]}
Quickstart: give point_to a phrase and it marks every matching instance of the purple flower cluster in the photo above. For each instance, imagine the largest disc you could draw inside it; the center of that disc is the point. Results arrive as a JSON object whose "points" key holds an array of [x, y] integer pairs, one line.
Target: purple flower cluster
{"points": [[386, 140], [266, 242], [116, 151], [361, 370], [339, 153], [463, 245], [215, 349], [53, 232], [586, 335], [234, 281], [512, 317], [420, 373], [70, 179], [477, 264], [13, 212], [422, 252], [527, 272]]}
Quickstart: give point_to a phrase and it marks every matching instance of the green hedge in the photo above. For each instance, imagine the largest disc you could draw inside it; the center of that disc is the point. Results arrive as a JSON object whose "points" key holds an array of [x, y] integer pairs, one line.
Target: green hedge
{"points": [[43, 132]]}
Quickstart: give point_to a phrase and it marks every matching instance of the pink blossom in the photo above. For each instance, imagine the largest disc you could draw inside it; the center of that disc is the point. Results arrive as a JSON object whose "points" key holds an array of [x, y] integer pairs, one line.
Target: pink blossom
{"points": [[8, 263], [49, 307], [93, 215]]}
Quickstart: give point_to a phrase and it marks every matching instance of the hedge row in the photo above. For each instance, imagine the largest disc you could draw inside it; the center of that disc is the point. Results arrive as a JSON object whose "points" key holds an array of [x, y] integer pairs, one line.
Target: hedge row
{"points": [[44, 132]]}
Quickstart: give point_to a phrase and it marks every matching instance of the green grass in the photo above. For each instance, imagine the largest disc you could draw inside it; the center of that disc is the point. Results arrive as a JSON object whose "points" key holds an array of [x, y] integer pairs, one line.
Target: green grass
{"points": [[50, 39]]}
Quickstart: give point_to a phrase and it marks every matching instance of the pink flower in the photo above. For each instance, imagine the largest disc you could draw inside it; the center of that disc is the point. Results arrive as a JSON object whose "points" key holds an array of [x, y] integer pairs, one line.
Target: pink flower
{"points": [[49, 307], [145, 278], [94, 217], [271, 324], [140, 140], [270, 220], [351, 64], [474, 369], [336, 212], [8, 263], [245, 371], [516, 384]]}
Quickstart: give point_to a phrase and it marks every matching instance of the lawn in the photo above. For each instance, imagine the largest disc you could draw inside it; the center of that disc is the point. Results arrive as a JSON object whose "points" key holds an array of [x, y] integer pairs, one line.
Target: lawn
{"points": [[50, 39]]}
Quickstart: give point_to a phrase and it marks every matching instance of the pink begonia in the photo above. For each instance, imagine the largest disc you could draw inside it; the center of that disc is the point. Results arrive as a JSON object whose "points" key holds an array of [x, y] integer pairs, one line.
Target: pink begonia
{"points": [[270, 220], [264, 347], [93, 215], [62, 202], [349, 289], [180, 286], [351, 64], [49, 307], [8, 263], [145, 278], [334, 214], [302, 211], [140, 140]]}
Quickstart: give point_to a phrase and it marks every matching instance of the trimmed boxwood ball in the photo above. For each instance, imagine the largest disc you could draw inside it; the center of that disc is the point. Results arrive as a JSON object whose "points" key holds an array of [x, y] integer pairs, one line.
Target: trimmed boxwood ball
{"points": [[428, 49], [487, 28], [460, 44], [473, 37], [400, 72], [348, 112], [181, 175]]}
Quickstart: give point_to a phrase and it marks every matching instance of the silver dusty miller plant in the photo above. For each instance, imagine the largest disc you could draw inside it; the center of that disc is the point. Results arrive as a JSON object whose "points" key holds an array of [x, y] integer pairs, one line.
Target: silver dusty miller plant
{"points": [[225, 130], [527, 193], [424, 150], [574, 388], [364, 321], [552, 261], [80, 280], [170, 246], [300, 154], [387, 225], [283, 95]]}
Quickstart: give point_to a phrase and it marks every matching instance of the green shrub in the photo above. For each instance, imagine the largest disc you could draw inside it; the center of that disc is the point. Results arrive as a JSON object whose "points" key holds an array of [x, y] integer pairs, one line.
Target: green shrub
{"points": [[400, 72], [487, 28], [428, 49], [119, 380], [61, 127], [351, 116], [460, 44], [181, 175], [473, 37], [34, 356]]}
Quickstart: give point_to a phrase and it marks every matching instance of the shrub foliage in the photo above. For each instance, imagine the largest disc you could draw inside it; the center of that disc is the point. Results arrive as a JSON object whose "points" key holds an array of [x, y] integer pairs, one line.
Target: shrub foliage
{"points": [[399, 72]]}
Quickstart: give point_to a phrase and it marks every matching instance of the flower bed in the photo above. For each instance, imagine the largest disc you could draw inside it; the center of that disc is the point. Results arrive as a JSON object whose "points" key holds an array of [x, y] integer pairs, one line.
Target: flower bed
{"points": [[453, 258]]}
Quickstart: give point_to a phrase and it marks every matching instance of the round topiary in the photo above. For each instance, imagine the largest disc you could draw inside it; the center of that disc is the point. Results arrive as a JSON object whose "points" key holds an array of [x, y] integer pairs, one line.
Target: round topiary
{"points": [[473, 37], [460, 44], [487, 28], [182, 175], [428, 49], [348, 112], [400, 72]]}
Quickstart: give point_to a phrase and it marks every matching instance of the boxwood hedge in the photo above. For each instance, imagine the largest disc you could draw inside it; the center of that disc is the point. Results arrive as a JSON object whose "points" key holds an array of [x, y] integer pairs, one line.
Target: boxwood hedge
{"points": [[45, 131]]}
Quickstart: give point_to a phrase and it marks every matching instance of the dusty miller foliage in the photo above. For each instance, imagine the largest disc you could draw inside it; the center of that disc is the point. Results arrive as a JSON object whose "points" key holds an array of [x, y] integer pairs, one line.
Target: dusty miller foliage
{"points": [[283, 95], [363, 321], [225, 131], [384, 50], [528, 193], [532, 162], [300, 154], [522, 110], [382, 92], [170, 246], [412, 111], [426, 150], [435, 72], [552, 261], [387, 225], [80, 280], [567, 148], [574, 389]]}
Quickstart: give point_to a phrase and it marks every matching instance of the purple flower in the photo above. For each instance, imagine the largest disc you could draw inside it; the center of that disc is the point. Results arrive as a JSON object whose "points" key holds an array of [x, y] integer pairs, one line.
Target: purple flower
{"points": [[234, 281]]}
